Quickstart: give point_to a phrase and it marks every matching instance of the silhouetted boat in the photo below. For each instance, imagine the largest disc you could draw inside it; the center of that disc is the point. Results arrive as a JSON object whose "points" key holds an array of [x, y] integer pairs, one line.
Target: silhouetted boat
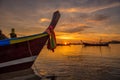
{"points": [[20, 53], [96, 44]]}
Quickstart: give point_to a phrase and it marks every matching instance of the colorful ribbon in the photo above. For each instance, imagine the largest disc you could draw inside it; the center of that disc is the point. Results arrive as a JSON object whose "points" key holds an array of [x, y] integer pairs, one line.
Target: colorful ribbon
{"points": [[51, 45]]}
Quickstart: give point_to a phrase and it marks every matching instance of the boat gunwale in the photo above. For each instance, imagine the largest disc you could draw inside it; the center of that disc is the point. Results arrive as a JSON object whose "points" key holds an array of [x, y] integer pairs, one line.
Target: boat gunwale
{"points": [[22, 39]]}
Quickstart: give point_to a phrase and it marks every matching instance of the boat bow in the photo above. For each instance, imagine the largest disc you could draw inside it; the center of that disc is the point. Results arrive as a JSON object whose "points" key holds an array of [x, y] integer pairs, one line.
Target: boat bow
{"points": [[20, 53]]}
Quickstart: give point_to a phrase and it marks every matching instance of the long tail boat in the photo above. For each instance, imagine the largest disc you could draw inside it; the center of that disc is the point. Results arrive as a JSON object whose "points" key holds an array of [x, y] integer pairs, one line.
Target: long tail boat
{"points": [[96, 44], [20, 53]]}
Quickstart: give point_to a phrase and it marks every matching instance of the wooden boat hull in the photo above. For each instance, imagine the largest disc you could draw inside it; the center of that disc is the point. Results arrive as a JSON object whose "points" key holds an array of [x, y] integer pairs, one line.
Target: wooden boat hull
{"points": [[20, 53]]}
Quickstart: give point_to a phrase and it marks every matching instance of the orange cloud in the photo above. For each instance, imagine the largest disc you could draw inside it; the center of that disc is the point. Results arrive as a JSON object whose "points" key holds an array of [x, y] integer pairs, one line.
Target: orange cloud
{"points": [[89, 9], [44, 20], [70, 10], [76, 37]]}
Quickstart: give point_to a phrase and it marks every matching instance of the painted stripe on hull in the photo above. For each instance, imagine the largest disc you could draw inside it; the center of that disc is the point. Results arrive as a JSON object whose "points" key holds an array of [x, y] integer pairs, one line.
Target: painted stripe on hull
{"points": [[21, 39], [16, 67], [18, 61]]}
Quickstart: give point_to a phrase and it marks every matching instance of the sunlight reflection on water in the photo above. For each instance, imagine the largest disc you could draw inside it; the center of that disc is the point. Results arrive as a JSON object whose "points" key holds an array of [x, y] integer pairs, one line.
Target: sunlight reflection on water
{"points": [[76, 62]]}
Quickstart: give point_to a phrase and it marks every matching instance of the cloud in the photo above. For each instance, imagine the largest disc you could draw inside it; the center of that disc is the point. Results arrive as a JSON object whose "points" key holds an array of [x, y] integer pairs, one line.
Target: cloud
{"points": [[76, 29], [91, 9], [98, 18], [105, 7], [76, 15], [44, 20]]}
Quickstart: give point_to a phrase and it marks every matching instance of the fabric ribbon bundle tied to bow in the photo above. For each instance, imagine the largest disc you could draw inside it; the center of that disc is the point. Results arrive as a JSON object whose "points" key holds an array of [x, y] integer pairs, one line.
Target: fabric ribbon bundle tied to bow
{"points": [[51, 44]]}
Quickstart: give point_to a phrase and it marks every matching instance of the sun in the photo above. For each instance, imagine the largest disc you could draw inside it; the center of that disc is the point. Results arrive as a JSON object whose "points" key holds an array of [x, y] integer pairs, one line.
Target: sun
{"points": [[65, 43]]}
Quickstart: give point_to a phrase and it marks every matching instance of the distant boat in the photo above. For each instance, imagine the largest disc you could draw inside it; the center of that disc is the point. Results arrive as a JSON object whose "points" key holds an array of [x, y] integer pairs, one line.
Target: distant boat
{"points": [[96, 44], [115, 42], [20, 53]]}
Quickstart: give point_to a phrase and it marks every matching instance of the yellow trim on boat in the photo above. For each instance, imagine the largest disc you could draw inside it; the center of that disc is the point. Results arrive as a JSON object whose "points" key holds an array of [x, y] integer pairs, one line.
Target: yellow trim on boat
{"points": [[27, 38]]}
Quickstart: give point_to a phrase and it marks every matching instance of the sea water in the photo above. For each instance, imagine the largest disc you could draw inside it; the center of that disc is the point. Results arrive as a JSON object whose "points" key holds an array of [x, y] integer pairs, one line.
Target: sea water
{"points": [[78, 62]]}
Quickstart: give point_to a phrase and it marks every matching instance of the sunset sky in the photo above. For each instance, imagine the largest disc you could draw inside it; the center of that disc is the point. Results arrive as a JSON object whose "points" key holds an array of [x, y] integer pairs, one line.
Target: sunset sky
{"points": [[87, 20]]}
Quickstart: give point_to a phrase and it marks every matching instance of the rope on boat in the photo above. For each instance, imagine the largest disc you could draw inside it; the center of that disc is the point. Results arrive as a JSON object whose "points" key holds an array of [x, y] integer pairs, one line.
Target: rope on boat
{"points": [[36, 69]]}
